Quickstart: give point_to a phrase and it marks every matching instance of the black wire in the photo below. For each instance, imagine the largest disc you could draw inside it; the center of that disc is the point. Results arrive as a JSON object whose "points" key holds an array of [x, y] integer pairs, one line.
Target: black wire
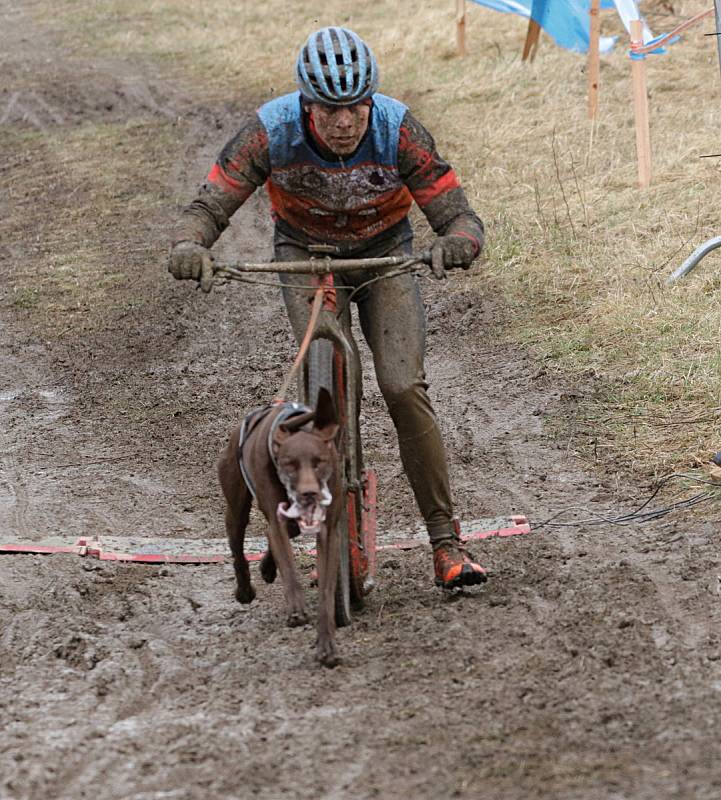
{"points": [[702, 497], [635, 516]]}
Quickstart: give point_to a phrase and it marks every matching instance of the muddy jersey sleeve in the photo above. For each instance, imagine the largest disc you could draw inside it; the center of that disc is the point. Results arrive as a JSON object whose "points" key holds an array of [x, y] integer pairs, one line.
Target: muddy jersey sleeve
{"points": [[434, 184], [242, 166]]}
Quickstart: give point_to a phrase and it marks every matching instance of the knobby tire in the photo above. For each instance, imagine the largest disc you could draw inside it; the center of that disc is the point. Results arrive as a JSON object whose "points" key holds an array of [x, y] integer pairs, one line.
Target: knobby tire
{"points": [[321, 373]]}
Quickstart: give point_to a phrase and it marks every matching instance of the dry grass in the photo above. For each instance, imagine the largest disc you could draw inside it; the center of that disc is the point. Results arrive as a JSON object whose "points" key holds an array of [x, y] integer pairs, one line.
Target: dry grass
{"points": [[574, 246], [72, 270]]}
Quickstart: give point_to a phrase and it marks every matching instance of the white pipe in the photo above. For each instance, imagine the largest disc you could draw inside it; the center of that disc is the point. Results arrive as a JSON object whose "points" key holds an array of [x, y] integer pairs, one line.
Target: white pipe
{"points": [[695, 257]]}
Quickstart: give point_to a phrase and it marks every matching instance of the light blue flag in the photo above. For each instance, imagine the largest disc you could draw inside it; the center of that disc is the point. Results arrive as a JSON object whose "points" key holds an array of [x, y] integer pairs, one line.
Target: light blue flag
{"points": [[567, 22]]}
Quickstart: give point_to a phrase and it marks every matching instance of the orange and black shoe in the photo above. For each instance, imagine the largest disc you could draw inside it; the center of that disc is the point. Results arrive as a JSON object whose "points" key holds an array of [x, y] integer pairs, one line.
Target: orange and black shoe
{"points": [[456, 567]]}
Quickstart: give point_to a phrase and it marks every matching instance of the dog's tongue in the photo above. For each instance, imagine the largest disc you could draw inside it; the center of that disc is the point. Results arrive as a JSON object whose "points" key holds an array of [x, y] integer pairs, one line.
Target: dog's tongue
{"points": [[309, 518]]}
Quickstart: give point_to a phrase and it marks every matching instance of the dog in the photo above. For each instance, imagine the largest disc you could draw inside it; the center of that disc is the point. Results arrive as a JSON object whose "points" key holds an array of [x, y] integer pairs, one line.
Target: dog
{"points": [[285, 456]]}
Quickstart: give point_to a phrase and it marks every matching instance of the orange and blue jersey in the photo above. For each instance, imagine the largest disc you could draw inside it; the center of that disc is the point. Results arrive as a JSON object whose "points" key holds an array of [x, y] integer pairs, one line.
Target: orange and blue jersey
{"points": [[317, 197], [354, 198]]}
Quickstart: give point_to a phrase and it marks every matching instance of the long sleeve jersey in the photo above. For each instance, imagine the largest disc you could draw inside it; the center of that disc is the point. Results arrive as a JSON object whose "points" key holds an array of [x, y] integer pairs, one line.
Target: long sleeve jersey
{"points": [[352, 202]]}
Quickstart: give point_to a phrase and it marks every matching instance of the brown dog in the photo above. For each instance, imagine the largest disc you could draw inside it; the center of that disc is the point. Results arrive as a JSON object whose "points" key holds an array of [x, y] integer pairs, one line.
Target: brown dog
{"points": [[291, 466]]}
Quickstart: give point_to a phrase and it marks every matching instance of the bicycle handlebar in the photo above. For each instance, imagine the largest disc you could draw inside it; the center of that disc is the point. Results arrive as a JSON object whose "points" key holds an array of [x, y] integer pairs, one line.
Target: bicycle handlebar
{"points": [[324, 265]]}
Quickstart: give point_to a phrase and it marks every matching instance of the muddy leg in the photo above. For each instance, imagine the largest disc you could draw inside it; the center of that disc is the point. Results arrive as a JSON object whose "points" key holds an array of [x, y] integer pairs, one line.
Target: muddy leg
{"points": [[328, 559], [236, 520], [282, 554], [392, 320]]}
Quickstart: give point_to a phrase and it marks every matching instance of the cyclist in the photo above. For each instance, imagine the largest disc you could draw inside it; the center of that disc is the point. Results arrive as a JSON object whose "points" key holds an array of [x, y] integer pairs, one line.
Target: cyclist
{"points": [[342, 165]]}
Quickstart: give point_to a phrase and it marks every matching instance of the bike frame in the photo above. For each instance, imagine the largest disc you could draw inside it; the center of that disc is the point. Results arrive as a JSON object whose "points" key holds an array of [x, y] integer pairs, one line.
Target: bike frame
{"points": [[359, 487], [328, 326]]}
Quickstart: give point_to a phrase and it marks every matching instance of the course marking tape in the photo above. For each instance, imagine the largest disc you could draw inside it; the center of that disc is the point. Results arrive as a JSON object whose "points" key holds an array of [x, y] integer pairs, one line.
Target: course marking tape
{"points": [[92, 547]]}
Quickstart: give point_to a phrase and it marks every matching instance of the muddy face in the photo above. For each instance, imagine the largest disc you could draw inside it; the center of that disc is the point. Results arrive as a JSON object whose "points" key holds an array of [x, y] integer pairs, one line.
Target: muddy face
{"points": [[304, 468], [341, 127]]}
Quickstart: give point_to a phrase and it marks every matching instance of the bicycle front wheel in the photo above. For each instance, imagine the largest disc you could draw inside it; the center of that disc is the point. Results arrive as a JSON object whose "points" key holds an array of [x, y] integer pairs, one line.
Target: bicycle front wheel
{"points": [[322, 373]]}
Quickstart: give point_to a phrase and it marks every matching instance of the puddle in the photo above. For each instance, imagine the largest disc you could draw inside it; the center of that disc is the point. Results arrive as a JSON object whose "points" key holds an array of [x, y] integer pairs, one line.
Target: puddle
{"points": [[53, 396]]}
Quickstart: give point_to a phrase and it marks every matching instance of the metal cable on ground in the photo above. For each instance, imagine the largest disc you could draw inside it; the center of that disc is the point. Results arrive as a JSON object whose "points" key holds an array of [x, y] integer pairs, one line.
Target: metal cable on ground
{"points": [[635, 516]]}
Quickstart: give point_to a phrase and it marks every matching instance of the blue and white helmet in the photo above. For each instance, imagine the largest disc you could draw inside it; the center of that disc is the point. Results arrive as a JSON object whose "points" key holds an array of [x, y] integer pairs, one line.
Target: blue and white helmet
{"points": [[336, 67]]}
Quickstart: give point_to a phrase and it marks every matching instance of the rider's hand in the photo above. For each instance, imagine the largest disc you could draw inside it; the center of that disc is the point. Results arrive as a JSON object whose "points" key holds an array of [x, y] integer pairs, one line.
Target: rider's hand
{"points": [[448, 252], [190, 260]]}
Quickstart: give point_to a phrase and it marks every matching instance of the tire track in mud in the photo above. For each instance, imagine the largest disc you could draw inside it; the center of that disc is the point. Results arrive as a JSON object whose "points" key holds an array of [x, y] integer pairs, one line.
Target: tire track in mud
{"points": [[16, 498], [34, 435], [44, 93], [18, 389], [685, 590]]}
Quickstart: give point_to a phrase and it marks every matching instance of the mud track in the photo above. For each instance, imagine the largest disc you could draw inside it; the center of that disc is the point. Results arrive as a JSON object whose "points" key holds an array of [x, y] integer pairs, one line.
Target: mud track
{"points": [[589, 667]]}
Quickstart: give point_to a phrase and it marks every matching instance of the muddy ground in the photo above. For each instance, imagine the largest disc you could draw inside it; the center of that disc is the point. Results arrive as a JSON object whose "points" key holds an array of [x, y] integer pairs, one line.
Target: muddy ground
{"points": [[588, 667]]}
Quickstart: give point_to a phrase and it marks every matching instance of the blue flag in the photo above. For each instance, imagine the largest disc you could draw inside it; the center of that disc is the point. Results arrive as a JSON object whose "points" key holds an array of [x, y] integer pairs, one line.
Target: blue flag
{"points": [[567, 22]]}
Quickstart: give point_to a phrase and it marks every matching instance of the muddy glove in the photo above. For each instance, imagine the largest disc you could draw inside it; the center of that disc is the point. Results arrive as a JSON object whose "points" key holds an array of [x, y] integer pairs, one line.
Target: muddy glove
{"points": [[191, 260], [448, 252]]}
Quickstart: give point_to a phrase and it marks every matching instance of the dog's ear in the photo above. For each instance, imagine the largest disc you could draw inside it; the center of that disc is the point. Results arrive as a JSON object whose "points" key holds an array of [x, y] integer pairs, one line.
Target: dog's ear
{"points": [[325, 424]]}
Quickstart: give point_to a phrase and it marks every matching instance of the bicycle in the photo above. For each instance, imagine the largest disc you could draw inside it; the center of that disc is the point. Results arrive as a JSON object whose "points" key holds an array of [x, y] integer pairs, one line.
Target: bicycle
{"points": [[326, 358]]}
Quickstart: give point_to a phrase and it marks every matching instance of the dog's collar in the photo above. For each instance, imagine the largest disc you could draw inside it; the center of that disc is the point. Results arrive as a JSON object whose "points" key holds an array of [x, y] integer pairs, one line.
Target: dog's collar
{"points": [[251, 420]]}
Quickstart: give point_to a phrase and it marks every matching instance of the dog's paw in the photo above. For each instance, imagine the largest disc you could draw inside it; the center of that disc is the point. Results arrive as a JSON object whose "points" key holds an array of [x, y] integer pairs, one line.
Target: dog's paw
{"points": [[327, 655], [245, 594], [297, 618], [268, 569]]}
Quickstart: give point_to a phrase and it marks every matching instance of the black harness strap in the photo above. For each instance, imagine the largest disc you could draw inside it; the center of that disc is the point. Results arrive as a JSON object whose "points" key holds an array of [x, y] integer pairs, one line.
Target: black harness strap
{"points": [[251, 421]]}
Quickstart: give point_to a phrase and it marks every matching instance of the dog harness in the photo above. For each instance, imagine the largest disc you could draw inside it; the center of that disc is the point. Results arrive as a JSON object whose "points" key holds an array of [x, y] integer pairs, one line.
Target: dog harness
{"points": [[250, 422]]}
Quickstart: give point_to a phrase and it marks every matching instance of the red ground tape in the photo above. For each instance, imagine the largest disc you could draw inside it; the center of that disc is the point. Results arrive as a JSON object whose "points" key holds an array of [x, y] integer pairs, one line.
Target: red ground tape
{"points": [[520, 526], [92, 548], [41, 549]]}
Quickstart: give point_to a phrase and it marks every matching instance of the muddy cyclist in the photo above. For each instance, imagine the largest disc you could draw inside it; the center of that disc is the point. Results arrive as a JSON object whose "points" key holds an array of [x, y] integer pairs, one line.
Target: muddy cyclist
{"points": [[342, 165]]}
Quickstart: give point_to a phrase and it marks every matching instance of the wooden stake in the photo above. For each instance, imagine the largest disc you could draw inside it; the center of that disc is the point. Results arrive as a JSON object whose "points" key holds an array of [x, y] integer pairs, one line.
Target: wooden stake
{"points": [[640, 103], [717, 12], [531, 44], [594, 58], [461, 26]]}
